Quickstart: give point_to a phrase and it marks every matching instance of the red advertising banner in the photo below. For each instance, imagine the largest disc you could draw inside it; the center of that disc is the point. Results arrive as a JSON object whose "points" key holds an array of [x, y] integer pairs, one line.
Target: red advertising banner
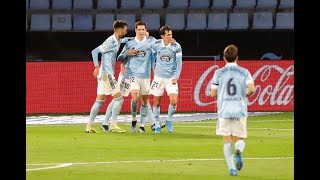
{"points": [[69, 87]]}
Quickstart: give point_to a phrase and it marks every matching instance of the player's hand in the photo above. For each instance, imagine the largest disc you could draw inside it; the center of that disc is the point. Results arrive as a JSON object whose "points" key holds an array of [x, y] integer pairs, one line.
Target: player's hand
{"points": [[174, 81], [132, 52], [172, 40], [95, 72]]}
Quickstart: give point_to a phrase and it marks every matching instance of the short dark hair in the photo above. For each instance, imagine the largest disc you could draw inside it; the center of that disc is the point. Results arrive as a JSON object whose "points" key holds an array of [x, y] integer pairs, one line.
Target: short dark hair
{"points": [[140, 23], [230, 53], [163, 30], [119, 24]]}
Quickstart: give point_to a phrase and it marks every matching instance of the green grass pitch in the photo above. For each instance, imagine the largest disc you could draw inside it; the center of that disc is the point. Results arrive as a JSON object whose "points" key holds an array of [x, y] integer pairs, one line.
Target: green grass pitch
{"points": [[193, 151]]}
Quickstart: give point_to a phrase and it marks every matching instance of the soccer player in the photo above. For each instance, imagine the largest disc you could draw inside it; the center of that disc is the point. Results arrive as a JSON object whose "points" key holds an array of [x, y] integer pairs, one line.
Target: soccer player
{"points": [[136, 68], [168, 67], [232, 84], [107, 84]]}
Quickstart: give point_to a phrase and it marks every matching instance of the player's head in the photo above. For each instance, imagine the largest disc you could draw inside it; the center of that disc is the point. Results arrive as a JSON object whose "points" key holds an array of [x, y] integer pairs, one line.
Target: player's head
{"points": [[140, 29], [166, 34], [120, 27], [230, 53]]}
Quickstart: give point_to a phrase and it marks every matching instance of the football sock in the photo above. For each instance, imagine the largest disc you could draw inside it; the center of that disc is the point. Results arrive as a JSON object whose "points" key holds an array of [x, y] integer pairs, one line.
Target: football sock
{"points": [[108, 113], [95, 110], [150, 114], [240, 144], [171, 111], [143, 113], [116, 107], [134, 107], [227, 149]]}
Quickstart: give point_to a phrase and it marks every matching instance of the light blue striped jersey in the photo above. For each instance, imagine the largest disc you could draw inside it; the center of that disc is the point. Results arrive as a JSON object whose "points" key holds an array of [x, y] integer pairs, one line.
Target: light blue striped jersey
{"points": [[139, 65], [108, 50], [168, 59], [231, 82]]}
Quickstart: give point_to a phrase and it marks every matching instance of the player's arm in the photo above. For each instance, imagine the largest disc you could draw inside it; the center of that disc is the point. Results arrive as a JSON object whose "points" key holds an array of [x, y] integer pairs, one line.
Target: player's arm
{"points": [[95, 56], [179, 64], [214, 86], [122, 67], [250, 85]]}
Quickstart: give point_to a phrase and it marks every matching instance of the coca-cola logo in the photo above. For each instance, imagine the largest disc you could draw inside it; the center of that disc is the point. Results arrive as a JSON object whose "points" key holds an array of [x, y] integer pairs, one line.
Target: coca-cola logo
{"points": [[279, 91]]}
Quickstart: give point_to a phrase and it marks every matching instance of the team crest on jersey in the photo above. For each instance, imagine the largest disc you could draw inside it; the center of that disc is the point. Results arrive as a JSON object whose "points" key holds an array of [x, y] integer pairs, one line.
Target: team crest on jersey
{"points": [[165, 58], [141, 54]]}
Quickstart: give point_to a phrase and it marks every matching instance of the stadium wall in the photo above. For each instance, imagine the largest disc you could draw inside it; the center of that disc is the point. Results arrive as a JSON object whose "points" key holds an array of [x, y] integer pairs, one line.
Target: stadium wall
{"points": [[69, 87]]}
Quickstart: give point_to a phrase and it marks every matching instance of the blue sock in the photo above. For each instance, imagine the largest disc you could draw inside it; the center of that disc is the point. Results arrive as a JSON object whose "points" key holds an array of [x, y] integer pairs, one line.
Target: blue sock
{"points": [[108, 113], [171, 111], [240, 144], [150, 114], [116, 107], [95, 109], [134, 107], [143, 114], [227, 150], [156, 113]]}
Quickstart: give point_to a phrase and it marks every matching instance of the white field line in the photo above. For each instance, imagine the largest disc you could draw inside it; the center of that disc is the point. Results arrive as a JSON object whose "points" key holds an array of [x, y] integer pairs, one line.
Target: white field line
{"points": [[279, 129], [50, 167], [145, 161]]}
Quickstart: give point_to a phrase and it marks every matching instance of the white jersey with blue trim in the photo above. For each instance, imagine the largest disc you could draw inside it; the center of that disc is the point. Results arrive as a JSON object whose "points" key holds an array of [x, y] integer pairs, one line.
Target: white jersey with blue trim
{"points": [[139, 65], [168, 59], [231, 82], [108, 50]]}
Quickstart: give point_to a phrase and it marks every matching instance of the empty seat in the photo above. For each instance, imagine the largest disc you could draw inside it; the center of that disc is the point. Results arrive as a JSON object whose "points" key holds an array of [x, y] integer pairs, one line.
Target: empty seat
{"points": [[267, 4], [130, 4], [178, 4], [152, 21], [262, 20], [238, 21], [129, 18], [61, 22], [153, 4], [61, 4], [217, 21], [39, 4], [196, 21], [82, 22], [104, 22], [107, 4], [82, 4], [285, 20], [175, 21], [27, 23], [40, 22], [27, 4], [246, 4], [199, 4], [286, 4], [222, 4]]}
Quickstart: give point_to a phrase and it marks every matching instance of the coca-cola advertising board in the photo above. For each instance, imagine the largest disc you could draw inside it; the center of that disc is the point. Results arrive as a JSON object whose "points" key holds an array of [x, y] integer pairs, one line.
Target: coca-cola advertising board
{"points": [[69, 87]]}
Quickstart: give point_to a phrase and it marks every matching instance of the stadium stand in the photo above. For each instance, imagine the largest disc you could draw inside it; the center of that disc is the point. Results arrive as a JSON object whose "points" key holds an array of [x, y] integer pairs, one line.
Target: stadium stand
{"points": [[152, 21], [262, 20], [217, 21], [196, 21], [39, 4], [82, 4], [61, 22], [286, 4], [82, 22], [130, 4], [107, 4], [222, 4], [245, 4], [27, 4], [153, 4], [267, 4], [40, 22], [178, 4], [129, 18], [104, 22], [238, 21], [284, 20], [61, 4], [199, 4], [176, 21]]}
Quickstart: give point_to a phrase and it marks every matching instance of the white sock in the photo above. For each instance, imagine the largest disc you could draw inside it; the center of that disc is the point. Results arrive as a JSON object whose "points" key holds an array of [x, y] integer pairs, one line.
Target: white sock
{"points": [[240, 144], [227, 149]]}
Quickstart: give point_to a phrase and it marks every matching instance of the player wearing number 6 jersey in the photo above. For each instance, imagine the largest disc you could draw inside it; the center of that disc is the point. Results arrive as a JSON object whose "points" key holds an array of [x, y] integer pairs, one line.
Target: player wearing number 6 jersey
{"points": [[232, 85]]}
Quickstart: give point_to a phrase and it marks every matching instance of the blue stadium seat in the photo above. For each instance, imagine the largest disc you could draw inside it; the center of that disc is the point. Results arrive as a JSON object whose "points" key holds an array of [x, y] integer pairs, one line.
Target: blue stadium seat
{"points": [[178, 4], [104, 22], [129, 18], [153, 4], [267, 4], [107, 4], [82, 22], [130, 4], [285, 20], [286, 4], [27, 4], [61, 4], [61, 22], [199, 4], [82, 4], [238, 21], [196, 21], [27, 23], [175, 21], [246, 4], [39, 4], [262, 20], [217, 21], [222, 4], [152, 21], [40, 22]]}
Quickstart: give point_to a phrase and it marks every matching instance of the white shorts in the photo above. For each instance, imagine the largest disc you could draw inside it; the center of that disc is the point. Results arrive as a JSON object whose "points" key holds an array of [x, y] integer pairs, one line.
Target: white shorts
{"points": [[131, 83], [107, 84], [159, 84], [234, 127]]}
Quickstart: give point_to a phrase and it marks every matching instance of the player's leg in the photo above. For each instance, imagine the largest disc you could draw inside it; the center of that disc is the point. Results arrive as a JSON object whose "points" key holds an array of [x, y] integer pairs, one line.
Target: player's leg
{"points": [[135, 95], [105, 123], [157, 90], [239, 133], [172, 91], [227, 150], [144, 112]]}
